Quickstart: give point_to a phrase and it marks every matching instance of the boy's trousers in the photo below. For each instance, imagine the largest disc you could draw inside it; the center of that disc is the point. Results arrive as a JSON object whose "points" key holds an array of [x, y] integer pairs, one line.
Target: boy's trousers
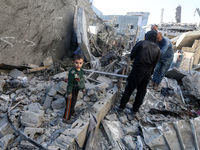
{"points": [[70, 104]]}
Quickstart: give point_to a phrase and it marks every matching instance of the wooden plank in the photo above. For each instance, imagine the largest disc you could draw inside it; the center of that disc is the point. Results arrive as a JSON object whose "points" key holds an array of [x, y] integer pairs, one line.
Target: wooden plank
{"points": [[37, 69]]}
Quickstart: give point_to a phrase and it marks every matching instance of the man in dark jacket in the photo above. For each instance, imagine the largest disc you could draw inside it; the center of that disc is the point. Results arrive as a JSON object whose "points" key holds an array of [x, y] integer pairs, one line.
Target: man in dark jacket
{"points": [[146, 54]]}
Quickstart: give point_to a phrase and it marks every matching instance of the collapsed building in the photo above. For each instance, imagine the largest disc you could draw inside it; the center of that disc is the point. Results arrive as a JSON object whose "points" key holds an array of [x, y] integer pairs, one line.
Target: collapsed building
{"points": [[36, 53]]}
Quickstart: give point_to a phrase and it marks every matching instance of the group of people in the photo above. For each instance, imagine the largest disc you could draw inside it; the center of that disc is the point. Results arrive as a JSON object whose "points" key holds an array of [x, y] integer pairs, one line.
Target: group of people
{"points": [[152, 56]]}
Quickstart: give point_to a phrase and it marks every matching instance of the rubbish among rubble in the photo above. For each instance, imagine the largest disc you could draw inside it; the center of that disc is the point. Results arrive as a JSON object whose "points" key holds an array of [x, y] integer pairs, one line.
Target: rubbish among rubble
{"points": [[164, 112], [20, 81], [167, 91]]}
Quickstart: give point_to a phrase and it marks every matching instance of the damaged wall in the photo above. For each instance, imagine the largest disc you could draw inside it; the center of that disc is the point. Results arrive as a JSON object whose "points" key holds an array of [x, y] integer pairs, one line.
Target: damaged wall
{"points": [[32, 30]]}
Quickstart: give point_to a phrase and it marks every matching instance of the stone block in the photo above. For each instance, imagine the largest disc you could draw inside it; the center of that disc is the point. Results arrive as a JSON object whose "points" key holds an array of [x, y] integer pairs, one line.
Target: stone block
{"points": [[5, 127], [123, 119], [40, 87], [52, 92], [112, 117], [48, 61], [2, 83], [83, 125], [35, 107], [129, 142], [62, 75], [31, 119], [102, 107], [192, 85], [59, 103], [131, 130], [61, 87], [6, 140], [16, 73], [47, 102], [31, 132], [5, 98]]}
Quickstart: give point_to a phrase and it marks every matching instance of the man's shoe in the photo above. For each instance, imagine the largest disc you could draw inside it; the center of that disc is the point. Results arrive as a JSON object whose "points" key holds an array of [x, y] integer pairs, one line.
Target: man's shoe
{"points": [[151, 84], [156, 87]]}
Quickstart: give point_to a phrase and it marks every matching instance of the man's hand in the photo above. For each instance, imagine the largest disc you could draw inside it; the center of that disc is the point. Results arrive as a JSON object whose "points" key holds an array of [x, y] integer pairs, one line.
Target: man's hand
{"points": [[69, 96]]}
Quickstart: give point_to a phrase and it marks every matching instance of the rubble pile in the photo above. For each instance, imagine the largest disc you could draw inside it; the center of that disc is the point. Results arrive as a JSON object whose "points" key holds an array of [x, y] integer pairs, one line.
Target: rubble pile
{"points": [[31, 113], [172, 30]]}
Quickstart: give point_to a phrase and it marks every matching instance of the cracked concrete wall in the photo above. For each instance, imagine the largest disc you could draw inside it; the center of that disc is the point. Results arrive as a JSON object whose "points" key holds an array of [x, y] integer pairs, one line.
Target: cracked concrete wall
{"points": [[31, 30]]}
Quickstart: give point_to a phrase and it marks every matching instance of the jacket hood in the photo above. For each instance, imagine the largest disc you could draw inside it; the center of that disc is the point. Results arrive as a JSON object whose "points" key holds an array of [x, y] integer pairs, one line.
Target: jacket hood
{"points": [[151, 36]]}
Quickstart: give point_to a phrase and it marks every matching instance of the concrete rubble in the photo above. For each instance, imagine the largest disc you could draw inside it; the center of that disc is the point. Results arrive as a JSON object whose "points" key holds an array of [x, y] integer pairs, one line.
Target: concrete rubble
{"points": [[33, 95]]}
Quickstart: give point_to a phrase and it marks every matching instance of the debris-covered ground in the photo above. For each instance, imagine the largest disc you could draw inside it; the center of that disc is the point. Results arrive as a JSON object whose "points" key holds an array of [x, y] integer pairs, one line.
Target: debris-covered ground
{"points": [[33, 97]]}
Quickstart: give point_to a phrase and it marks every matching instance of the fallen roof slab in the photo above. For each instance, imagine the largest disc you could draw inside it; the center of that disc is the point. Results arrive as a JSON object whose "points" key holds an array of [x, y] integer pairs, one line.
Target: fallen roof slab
{"points": [[187, 39]]}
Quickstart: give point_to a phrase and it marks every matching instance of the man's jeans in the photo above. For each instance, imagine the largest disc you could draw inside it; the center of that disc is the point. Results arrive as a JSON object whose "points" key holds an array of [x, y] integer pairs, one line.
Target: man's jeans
{"points": [[160, 71]]}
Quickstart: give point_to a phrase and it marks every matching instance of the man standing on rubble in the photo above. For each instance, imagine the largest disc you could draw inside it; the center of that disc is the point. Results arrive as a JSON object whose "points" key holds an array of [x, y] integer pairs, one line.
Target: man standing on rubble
{"points": [[146, 54], [166, 58]]}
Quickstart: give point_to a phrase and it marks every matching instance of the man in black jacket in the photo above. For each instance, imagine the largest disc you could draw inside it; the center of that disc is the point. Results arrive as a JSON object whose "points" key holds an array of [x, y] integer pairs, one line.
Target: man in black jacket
{"points": [[146, 54]]}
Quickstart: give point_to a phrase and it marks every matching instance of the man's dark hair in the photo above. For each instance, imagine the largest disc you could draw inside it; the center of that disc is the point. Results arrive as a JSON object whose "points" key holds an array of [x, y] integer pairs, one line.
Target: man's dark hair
{"points": [[151, 36], [78, 56]]}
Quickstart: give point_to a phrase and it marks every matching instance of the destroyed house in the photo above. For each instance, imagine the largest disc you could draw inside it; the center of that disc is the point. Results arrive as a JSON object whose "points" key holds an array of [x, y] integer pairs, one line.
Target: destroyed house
{"points": [[128, 24]]}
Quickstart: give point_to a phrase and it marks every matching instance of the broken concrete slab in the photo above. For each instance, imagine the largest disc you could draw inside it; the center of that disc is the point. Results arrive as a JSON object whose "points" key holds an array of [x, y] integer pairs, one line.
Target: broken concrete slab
{"points": [[5, 127], [16, 73], [82, 37], [187, 62], [47, 102], [193, 48], [61, 87], [31, 132], [31, 119], [187, 39], [171, 136], [192, 85], [185, 134], [61, 75], [114, 132], [102, 107], [52, 92], [131, 130], [112, 117], [59, 103], [175, 73], [129, 142], [6, 140]]}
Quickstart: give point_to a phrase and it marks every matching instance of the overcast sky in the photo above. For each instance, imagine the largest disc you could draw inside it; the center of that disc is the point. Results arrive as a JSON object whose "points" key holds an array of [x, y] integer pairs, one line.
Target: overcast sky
{"points": [[120, 7]]}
